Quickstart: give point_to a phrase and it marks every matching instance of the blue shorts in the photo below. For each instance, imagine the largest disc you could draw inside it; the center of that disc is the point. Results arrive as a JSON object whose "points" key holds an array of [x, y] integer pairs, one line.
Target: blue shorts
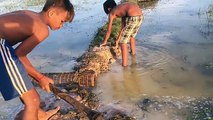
{"points": [[14, 80]]}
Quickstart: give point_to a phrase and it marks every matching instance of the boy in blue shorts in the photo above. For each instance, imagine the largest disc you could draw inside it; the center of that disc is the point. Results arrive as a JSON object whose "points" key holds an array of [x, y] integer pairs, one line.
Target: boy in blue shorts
{"points": [[27, 29], [132, 17]]}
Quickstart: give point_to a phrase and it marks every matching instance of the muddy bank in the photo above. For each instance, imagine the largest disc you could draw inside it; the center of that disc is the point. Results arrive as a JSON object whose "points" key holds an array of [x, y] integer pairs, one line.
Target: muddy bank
{"points": [[86, 97]]}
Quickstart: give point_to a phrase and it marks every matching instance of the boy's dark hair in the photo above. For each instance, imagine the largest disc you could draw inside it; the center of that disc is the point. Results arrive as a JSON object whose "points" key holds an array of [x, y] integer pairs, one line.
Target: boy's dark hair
{"points": [[109, 4], [64, 4]]}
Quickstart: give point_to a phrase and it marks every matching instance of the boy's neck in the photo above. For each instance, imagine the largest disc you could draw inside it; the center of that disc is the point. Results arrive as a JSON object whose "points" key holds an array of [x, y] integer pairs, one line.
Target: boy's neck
{"points": [[43, 17]]}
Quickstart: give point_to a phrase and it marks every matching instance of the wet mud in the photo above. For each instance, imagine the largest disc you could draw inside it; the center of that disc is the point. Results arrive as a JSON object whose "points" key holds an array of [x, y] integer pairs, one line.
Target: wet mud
{"points": [[185, 108]]}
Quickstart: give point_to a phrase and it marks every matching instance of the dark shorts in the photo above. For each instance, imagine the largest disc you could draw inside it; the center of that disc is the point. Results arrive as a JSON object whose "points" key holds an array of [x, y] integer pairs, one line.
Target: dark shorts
{"points": [[132, 25], [14, 80]]}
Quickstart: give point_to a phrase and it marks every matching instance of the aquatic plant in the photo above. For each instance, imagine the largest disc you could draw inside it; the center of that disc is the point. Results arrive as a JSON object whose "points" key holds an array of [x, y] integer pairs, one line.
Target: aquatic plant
{"points": [[148, 4], [35, 2], [210, 12], [133, 1]]}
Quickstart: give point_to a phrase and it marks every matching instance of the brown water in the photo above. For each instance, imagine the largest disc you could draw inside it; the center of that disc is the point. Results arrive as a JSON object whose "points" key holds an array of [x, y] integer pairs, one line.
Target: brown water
{"points": [[174, 57]]}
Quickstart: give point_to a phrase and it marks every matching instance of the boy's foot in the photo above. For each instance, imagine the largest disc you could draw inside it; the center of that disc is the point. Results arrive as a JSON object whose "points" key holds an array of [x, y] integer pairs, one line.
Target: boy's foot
{"points": [[134, 63], [48, 114], [133, 54]]}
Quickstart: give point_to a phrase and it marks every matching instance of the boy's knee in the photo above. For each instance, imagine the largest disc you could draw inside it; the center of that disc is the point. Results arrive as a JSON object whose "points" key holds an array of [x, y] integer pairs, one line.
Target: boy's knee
{"points": [[124, 45], [31, 99], [33, 103]]}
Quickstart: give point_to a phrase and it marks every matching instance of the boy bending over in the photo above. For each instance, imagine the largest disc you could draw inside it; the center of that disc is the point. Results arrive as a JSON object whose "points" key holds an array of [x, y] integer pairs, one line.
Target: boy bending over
{"points": [[132, 17], [28, 29]]}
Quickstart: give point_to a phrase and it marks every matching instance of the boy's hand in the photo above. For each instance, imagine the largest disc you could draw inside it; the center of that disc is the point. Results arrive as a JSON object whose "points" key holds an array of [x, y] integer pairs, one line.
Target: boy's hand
{"points": [[117, 43], [44, 83], [103, 44]]}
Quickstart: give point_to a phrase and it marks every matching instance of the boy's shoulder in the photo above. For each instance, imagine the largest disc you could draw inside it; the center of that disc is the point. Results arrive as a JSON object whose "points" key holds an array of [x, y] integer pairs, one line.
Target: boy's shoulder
{"points": [[31, 18], [28, 23], [22, 16], [127, 9], [122, 6], [21, 13], [27, 15]]}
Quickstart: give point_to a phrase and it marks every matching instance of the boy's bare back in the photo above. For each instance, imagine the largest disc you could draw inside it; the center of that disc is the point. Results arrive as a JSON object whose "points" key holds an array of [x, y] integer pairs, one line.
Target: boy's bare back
{"points": [[126, 9], [18, 26]]}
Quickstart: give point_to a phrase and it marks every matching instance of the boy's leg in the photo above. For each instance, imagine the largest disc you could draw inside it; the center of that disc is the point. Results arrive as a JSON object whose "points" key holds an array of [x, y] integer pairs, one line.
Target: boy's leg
{"points": [[124, 51], [135, 27], [42, 115], [31, 101], [132, 46], [32, 111], [16, 82]]}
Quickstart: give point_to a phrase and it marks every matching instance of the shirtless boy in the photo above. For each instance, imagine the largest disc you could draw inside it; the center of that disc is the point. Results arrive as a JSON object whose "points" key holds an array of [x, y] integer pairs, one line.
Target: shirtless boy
{"points": [[27, 29], [132, 17]]}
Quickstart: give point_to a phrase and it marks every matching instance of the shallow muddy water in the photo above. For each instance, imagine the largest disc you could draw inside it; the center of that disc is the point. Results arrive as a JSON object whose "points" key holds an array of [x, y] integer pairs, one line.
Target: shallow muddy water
{"points": [[174, 57], [174, 54]]}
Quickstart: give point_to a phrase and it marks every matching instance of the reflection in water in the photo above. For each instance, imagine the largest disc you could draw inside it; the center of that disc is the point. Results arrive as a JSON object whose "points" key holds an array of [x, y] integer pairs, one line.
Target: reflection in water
{"points": [[206, 69], [123, 83], [210, 12], [131, 83], [206, 27], [148, 5]]}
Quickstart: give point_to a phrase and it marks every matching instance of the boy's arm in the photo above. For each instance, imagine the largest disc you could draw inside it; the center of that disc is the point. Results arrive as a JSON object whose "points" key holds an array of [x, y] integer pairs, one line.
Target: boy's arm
{"points": [[109, 29], [23, 49]]}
